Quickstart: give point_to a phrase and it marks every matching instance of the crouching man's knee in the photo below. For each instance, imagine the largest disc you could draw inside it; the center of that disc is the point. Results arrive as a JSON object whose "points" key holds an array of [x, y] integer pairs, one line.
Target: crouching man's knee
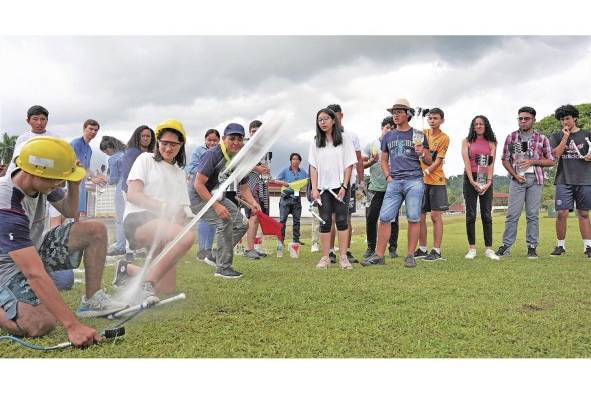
{"points": [[34, 321]]}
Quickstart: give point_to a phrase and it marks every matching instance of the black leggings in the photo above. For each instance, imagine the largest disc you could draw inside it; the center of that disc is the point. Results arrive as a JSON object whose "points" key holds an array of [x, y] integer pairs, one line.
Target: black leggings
{"points": [[470, 197], [372, 214], [331, 205]]}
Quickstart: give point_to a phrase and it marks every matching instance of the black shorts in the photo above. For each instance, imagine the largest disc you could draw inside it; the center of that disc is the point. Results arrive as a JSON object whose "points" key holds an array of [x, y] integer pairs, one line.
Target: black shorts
{"points": [[132, 221], [569, 196], [435, 198]]}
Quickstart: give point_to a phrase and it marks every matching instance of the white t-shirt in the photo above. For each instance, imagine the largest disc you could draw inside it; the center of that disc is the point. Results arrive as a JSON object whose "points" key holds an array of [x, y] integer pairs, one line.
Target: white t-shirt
{"points": [[20, 141], [331, 161], [357, 147], [162, 181]]}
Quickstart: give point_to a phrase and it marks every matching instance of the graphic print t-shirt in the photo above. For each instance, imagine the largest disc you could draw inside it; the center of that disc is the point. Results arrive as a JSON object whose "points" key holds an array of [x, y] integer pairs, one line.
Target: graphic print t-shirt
{"points": [[572, 170], [404, 161]]}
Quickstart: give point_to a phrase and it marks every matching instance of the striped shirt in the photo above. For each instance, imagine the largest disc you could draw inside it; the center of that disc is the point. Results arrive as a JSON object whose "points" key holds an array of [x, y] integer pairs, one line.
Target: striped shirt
{"points": [[538, 148]]}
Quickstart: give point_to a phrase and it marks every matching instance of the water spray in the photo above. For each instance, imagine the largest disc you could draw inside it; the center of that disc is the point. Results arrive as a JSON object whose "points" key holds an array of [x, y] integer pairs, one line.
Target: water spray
{"points": [[135, 309], [239, 167]]}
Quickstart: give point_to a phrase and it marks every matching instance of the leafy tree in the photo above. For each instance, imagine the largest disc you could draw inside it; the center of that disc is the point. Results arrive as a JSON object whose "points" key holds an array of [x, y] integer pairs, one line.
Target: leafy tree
{"points": [[7, 147]]}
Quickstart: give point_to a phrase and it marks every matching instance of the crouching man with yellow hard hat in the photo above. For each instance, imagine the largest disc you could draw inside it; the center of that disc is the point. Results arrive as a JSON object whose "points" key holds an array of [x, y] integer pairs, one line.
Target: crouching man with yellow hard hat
{"points": [[30, 304]]}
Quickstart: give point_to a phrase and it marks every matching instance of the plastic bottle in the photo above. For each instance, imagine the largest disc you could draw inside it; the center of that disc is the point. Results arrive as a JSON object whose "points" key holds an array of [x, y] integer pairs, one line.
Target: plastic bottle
{"points": [[279, 249]]}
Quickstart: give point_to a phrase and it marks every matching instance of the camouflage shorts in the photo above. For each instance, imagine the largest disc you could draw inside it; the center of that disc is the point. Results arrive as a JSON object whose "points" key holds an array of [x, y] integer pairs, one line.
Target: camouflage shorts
{"points": [[55, 255]]}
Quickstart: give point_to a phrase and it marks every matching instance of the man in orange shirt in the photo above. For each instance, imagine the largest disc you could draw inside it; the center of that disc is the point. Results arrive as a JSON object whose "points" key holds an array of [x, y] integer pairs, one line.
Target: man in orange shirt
{"points": [[435, 196]]}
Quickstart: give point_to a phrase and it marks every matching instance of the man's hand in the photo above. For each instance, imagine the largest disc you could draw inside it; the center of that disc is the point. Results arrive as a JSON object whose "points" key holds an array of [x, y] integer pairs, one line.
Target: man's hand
{"points": [[588, 157], [255, 207], [565, 132], [315, 195], [221, 211], [520, 179], [525, 164], [81, 335], [419, 149]]}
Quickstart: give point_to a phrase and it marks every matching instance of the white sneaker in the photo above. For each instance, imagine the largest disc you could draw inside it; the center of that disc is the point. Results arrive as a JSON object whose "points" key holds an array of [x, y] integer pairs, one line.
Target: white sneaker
{"points": [[491, 254], [471, 254], [315, 248]]}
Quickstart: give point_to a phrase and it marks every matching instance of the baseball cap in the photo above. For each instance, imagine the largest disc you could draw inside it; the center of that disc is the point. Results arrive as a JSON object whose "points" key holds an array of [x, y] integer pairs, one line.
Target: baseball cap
{"points": [[234, 128]]}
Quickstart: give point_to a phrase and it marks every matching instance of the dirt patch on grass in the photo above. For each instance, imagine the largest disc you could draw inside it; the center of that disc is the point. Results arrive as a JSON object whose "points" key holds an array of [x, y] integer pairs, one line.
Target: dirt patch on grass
{"points": [[532, 308]]}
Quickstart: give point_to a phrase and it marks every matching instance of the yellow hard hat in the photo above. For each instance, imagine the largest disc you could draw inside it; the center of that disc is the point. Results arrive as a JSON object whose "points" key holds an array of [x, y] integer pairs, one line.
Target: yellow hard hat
{"points": [[50, 157], [171, 124]]}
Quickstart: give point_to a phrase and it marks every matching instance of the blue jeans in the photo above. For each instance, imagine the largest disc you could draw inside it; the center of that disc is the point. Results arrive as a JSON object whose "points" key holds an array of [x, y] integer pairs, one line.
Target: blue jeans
{"points": [[205, 234], [398, 190]]}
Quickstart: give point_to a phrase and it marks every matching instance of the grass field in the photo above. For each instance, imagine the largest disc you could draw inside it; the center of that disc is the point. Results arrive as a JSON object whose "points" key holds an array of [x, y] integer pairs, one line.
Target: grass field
{"points": [[286, 308]]}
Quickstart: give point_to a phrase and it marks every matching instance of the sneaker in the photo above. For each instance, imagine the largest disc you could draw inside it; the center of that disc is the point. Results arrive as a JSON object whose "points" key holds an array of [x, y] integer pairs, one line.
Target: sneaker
{"points": [[351, 258], [374, 259], [315, 248], [149, 297], [419, 254], [113, 251], [332, 257], [558, 251], [261, 254], [410, 262], [323, 263], [471, 254], [228, 273], [120, 277], [433, 256], [252, 254], [201, 255], [491, 254], [345, 263], [503, 251], [209, 258], [588, 252], [531, 252], [368, 253], [299, 242], [392, 253], [100, 304]]}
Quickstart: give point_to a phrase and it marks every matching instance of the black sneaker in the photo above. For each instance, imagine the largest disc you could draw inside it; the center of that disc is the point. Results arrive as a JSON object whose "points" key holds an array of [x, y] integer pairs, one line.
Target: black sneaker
{"points": [[115, 252], [332, 257], [261, 254], [201, 255], [531, 252], [392, 253], [368, 253], [228, 273], [433, 256], [252, 254], [410, 262], [121, 277], [374, 259], [298, 242], [503, 251], [351, 258], [419, 254], [588, 252], [558, 251]]}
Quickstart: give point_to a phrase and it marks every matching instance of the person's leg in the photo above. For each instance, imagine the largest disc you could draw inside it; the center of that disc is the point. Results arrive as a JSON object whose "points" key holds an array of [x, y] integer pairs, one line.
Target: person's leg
{"points": [[203, 230], [90, 236], [283, 214], [209, 236], [517, 197], [426, 207], [413, 196], [21, 313], [533, 200], [394, 229], [296, 214], [342, 224], [163, 274], [119, 210], [391, 205], [470, 199], [315, 231], [583, 201], [584, 224], [326, 213], [253, 226], [563, 202], [486, 216], [371, 218], [437, 219]]}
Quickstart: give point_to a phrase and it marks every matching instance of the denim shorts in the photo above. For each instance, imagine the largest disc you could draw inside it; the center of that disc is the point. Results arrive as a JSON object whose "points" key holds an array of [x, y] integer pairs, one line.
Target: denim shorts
{"points": [[398, 190], [569, 196], [56, 256]]}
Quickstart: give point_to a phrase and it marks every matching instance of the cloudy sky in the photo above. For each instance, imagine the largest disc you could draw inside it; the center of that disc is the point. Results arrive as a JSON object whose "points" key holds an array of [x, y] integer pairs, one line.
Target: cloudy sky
{"points": [[208, 81]]}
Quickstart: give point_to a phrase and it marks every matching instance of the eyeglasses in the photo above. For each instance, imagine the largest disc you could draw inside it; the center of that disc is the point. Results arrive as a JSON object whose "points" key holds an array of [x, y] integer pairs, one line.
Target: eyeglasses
{"points": [[524, 119], [322, 120], [398, 112], [172, 144]]}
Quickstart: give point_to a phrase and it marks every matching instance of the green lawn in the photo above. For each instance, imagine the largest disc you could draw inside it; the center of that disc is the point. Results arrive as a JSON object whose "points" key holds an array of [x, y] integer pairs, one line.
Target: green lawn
{"points": [[287, 308]]}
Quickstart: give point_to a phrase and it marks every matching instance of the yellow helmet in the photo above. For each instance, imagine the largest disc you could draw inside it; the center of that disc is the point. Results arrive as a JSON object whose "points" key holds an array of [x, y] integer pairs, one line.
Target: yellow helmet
{"points": [[171, 124], [50, 157]]}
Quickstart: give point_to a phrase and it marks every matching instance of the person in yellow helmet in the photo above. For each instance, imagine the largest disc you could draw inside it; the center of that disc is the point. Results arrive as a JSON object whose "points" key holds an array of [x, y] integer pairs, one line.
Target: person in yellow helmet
{"points": [[157, 209], [30, 304]]}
